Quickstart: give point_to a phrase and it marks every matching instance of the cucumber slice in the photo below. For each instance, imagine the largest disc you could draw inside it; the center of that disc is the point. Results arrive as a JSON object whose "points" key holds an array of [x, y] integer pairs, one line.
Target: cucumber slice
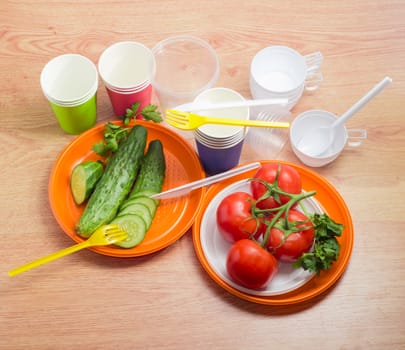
{"points": [[140, 210], [135, 227], [150, 203], [84, 178], [145, 193]]}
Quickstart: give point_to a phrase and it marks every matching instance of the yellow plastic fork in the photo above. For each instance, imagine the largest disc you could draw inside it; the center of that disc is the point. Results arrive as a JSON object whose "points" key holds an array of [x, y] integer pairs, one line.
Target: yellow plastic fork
{"points": [[105, 235], [191, 121]]}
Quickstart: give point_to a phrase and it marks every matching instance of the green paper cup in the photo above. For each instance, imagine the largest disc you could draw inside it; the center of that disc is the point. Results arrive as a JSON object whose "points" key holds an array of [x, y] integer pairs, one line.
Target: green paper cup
{"points": [[70, 83]]}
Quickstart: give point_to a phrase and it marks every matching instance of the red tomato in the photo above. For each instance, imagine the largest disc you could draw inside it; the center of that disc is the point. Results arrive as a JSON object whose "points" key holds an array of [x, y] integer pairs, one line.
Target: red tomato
{"points": [[250, 265], [234, 217], [297, 243], [289, 180]]}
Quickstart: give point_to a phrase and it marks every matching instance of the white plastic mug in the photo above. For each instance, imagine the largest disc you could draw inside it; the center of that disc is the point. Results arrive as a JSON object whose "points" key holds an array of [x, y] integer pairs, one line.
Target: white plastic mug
{"points": [[305, 122], [282, 72]]}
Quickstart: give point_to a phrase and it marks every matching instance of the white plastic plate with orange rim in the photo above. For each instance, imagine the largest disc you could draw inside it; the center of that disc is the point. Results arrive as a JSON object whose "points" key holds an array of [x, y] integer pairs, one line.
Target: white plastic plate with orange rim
{"points": [[173, 218], [290, 286]]}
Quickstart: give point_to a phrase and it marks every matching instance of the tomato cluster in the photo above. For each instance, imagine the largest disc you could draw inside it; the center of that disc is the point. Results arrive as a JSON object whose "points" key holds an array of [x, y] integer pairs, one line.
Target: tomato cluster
{"points": [[265, 227]]}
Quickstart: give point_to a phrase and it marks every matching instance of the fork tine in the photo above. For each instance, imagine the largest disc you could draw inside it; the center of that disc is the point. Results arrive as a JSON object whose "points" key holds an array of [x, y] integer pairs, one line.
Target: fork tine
{"points": [[170, 114], [116, 236], [115, 232], [175, 118], [177, 121]]}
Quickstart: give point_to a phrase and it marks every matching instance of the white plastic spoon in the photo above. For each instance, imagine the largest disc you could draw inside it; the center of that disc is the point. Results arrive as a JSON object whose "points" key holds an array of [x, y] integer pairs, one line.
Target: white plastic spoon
{"points": [[318, 141]]}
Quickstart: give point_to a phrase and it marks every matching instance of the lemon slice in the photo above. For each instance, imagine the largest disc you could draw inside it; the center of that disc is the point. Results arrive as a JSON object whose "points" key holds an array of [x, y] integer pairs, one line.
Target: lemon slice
{"points": [[84, 178]]}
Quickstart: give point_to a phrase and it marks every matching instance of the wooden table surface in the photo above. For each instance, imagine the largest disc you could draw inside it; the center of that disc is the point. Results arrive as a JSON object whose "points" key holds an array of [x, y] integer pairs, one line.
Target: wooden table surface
{"points": [[167, 301]]}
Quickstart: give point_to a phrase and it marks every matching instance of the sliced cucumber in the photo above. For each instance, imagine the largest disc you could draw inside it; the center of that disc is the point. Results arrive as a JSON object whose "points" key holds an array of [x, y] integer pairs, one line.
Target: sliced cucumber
{"points": [[84, 178], [140, 210], [150, 203], [145, 193], [135, 227]]}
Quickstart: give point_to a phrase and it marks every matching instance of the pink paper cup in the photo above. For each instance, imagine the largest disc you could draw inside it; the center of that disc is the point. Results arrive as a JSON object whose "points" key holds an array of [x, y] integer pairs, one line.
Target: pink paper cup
{"points": [[120, 101], [126, 69]]}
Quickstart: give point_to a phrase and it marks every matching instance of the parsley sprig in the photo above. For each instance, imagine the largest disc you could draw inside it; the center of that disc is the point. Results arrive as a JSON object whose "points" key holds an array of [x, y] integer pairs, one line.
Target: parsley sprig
{"points": [[149, 112], [326, 247], [115, 134]]}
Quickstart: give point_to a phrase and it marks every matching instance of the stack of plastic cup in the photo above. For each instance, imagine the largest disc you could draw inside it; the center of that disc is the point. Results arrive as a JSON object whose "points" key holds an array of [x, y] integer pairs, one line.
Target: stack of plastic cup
{"points": [[282, 72], [126, 69], [70, 83], [219, 146]]}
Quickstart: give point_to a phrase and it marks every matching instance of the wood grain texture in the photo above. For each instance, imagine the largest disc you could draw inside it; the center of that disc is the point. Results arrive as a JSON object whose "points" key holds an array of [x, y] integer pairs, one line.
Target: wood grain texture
{"points": [[167, 301]]}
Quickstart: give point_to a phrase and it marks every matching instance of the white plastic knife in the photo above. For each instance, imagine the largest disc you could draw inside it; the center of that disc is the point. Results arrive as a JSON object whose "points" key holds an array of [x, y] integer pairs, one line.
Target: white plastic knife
{"points": [[184, 189], [205, 106]]}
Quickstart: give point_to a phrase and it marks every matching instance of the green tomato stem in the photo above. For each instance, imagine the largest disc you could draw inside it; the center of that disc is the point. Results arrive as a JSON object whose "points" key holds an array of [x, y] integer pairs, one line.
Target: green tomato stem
{"points": [[281, 210]]}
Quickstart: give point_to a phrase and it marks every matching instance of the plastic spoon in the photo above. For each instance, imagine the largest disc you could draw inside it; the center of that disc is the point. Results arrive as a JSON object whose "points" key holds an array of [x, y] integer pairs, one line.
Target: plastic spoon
{"points": [[318, 141]]}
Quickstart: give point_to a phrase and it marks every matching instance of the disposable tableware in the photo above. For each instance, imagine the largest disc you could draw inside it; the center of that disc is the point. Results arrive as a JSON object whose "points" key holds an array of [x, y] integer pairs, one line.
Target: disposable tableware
{"points": [[190, 121], [207, 106], [105, 235], [184, 189]]}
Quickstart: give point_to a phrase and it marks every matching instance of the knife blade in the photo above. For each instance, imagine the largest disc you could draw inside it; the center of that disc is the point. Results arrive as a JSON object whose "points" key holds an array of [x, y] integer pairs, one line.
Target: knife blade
{"points": [[186, 188]]}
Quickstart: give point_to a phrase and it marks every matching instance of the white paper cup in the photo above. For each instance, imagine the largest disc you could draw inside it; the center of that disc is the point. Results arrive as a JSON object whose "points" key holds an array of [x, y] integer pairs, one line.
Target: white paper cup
{"points": [[304, 124]]}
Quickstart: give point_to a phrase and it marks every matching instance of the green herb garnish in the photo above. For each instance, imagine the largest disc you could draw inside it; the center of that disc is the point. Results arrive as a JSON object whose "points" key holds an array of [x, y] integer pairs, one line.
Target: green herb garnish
{"points": [[149, 112], [326, 247], [115, 134]]}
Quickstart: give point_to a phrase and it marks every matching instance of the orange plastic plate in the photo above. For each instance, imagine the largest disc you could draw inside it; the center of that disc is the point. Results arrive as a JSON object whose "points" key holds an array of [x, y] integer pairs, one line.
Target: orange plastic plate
{"points": [[173, 217], [331, 202]]}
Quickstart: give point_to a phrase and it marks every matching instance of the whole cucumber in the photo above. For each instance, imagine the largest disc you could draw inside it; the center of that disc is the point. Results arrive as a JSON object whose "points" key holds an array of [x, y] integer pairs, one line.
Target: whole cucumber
{"points": [[152, 172], [115, 183]]}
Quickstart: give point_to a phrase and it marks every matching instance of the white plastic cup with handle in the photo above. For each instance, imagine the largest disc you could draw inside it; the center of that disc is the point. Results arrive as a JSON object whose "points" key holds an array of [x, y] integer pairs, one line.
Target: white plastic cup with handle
{"points": [[304, 124], [282, 72]]}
